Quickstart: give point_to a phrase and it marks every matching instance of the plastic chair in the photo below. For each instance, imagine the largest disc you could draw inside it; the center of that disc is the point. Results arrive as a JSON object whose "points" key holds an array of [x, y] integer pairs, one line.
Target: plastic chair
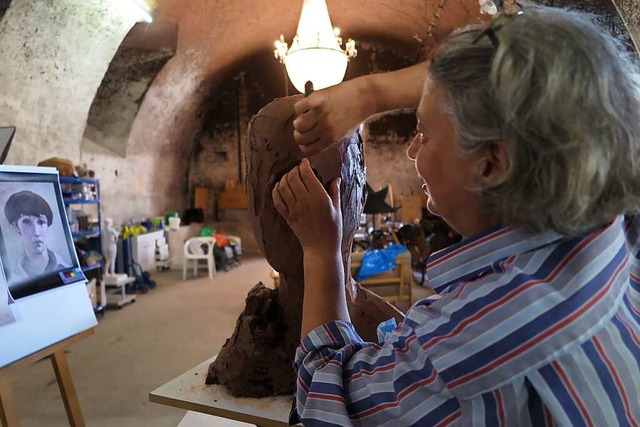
{"points": [[196, 249]]}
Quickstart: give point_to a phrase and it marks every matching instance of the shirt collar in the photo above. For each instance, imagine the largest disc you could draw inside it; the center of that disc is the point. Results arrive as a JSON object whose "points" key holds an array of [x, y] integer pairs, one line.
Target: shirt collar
{"points": [[52, 264], [469, 258]]}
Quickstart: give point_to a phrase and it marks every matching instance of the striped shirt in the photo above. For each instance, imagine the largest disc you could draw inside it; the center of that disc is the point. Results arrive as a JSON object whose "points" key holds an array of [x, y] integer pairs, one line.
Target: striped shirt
{"points": [[527, 330]]}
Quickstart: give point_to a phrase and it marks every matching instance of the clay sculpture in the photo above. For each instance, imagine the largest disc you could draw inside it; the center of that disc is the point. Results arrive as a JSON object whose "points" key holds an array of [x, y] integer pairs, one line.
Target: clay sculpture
{"points": [[256, 360]]}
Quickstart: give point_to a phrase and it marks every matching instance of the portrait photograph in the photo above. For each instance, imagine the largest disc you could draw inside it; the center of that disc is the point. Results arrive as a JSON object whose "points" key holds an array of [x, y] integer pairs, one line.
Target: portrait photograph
{"points": [[33, 246]]}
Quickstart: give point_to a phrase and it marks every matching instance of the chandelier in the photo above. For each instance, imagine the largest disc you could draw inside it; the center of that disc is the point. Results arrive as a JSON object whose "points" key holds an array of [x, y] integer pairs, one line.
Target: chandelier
{"points": [[316, 51]]}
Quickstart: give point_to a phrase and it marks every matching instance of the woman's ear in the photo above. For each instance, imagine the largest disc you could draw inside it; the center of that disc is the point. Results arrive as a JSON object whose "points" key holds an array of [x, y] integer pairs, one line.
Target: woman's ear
{"points": [[494, 163]]}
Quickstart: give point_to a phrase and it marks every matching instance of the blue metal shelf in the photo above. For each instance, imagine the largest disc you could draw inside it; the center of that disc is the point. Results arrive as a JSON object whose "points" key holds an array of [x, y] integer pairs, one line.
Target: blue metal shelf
{"points": [[92, 266], [81, 202], [73, 180], [96, 233], [85, 234]]}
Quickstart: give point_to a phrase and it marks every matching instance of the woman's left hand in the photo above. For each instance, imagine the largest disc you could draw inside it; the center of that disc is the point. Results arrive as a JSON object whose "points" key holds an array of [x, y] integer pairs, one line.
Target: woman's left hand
{"points": [[313, 214]]}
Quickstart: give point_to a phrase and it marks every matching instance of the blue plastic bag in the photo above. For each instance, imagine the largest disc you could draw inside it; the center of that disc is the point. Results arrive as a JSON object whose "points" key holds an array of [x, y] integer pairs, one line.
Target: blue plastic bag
{"points": [[379, 261], [385, 329]]}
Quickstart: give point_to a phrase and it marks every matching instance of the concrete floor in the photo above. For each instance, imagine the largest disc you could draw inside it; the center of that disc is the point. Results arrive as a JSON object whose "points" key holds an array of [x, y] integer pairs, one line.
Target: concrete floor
{"points": [[142, 346]]}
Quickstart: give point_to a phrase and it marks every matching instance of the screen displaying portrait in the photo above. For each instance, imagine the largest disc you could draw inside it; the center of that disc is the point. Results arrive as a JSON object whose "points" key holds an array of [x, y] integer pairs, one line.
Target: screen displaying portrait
{"points": [[36, 247], [43, 296]]}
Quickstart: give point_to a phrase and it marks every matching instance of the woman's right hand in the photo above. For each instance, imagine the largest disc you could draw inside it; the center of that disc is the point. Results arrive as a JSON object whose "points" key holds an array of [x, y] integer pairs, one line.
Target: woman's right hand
{"points": [[328, 114]]}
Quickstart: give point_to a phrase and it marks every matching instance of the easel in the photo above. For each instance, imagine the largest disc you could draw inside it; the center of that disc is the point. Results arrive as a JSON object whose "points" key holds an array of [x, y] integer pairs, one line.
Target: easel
{"points": [[8, 412]]}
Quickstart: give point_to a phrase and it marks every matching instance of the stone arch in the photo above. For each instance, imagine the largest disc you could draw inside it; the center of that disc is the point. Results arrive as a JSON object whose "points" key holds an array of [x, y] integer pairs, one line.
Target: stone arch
{"points": [[139, 58]]}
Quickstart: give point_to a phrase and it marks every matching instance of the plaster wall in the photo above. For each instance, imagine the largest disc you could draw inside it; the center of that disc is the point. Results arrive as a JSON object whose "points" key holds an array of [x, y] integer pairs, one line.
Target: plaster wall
{"points": [[152, 178], [630, 11], [54, 56], [123, 87], [387, 161]]}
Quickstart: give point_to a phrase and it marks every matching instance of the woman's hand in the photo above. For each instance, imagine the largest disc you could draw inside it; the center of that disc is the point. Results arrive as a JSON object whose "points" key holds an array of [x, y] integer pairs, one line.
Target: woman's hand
{"points": [[328, 114], [313, 214], [316, 218]]}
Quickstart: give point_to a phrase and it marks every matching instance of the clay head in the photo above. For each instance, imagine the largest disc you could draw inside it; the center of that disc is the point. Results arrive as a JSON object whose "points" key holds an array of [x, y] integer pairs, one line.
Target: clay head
{"points": [[271, 153]]}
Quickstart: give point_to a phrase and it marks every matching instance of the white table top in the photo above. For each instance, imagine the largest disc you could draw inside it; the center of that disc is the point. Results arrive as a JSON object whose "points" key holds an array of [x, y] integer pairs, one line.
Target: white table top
{"points": [[188, 391]]}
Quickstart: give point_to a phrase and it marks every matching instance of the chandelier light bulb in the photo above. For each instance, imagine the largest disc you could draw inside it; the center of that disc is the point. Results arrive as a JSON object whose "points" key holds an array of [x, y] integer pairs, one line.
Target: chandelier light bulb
{"points": [[487, 7], [316, 51]]}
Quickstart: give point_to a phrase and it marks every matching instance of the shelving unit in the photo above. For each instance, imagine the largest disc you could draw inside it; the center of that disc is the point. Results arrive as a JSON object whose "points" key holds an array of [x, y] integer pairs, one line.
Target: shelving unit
{"points": [[81, 192]]}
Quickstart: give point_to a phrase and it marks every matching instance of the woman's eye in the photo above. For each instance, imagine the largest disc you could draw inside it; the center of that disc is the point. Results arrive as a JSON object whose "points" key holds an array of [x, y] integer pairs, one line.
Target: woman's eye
{"points": [[422, 137]]}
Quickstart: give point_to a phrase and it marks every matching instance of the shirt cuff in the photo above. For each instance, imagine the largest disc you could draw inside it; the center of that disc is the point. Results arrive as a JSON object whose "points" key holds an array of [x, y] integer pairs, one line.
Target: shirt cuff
{"points": [[334, 335]]}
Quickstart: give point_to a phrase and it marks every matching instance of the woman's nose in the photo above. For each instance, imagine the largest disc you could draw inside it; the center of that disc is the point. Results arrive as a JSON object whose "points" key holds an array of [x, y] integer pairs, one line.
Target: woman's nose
{"points": [[414, 147]]}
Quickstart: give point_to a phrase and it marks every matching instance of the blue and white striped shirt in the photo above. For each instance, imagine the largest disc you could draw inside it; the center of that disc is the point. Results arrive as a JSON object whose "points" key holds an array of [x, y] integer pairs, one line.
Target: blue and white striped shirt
{"points": [[528, 330]]}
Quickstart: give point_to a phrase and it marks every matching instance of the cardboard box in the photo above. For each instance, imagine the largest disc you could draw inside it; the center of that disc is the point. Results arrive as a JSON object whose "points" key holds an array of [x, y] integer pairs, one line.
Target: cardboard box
{"points": [[412, 207], [92, 291], [202, 200], [232, 184], [233, 199]]}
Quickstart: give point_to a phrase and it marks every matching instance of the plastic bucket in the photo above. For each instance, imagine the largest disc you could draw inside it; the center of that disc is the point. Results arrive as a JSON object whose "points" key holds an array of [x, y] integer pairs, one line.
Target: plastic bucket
{"points": [[170, 215], [174, 223]]}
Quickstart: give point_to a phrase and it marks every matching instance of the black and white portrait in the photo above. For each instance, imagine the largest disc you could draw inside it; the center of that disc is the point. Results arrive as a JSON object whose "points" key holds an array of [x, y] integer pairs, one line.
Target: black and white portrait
{"points": [[33, 237]]}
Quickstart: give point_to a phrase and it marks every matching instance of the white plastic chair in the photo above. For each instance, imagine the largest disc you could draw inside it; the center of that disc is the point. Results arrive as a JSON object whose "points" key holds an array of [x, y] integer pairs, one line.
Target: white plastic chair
{"points": [[196, 249]]}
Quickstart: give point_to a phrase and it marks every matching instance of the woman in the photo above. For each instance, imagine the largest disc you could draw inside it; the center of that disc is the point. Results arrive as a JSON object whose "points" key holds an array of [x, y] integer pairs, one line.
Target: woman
{"points": [[30, 216], [528, 144]]}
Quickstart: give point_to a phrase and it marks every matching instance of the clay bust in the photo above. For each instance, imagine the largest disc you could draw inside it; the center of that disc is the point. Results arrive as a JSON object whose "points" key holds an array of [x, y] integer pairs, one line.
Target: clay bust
{"points": [[256, 360]]}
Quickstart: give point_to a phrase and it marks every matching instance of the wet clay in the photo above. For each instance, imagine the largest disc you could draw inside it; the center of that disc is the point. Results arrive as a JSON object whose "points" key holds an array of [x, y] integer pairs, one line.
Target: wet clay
{"points": [[256, 360]]}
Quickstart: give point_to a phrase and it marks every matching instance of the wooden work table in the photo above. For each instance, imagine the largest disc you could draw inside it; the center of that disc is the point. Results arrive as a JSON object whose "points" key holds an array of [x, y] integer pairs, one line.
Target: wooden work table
{"points": [[188, 391]]}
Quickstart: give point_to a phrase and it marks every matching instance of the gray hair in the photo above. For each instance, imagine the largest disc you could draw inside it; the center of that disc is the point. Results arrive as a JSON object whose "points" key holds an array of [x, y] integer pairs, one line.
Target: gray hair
{"points": [[565, 98]]}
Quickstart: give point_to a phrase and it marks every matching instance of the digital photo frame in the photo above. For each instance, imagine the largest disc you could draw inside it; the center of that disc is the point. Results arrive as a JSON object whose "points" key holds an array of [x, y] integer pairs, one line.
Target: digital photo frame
{"points": [[36, 246], [43, 295]]}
